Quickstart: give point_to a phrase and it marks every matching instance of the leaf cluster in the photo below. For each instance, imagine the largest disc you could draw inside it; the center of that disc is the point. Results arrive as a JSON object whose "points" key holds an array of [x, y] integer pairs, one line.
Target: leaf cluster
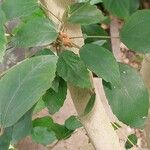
{"points": [[41, 81]]}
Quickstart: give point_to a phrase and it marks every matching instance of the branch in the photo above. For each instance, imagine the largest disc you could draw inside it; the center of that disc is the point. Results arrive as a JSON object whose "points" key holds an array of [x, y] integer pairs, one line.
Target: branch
{"points": [[115, 42], [145, 72], [96, 123]]}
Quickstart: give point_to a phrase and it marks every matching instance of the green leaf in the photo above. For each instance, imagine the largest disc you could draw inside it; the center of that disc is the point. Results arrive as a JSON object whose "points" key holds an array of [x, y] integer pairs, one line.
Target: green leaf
{"points": [[41, 30], [133, 139], [72, 123], [134, 5], [5, 139], [22, 128], [37, 13], [43, 122], [41, 135], [120, 8], [39, 106], [102, 62], [55, 84], [14, 8], [100, 42], [84, 13], [2, 16], [60, 131], [71, 68], [95, 30], [90, 104], [135, 33], [55, 100], [45, 51], [130, 102], [23, 85]]}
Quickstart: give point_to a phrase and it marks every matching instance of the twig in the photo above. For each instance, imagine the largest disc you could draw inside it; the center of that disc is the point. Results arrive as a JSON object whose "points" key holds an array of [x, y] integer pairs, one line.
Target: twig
{"points": [[50, 12], [2, 74], [9, 48], [124, 135], [1, 131], [51, 147], [75, 45], [102, 37], [8, 31], [114, 32]]}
